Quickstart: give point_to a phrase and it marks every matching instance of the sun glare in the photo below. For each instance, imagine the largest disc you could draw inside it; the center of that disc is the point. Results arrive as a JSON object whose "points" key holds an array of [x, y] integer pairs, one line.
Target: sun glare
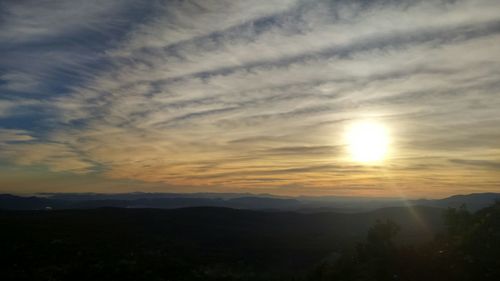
{"points": [[368, 141]]}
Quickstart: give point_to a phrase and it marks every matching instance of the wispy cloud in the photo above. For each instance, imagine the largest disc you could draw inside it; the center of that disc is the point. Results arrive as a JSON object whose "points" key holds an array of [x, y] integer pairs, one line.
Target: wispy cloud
{"points": [[478, 163], [258, 94], [7, 135], [19, 82], [28, 21]]}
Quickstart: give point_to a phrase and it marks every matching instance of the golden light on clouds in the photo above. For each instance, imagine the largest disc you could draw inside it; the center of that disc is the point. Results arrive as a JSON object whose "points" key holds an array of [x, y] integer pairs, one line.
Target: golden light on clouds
{"points": [[289, 97], [368, 141]]}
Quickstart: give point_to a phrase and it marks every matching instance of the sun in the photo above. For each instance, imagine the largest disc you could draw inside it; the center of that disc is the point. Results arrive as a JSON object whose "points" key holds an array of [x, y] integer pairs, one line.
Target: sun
{"points": [[368, 141]]}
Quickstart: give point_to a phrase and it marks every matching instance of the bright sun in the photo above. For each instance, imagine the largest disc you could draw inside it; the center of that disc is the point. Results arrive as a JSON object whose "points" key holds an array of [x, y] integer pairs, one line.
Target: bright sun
{"points": [[368, 141]]}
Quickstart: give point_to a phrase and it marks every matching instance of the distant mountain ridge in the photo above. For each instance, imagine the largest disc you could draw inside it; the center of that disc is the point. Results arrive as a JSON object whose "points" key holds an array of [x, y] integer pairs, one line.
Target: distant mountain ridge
{"points": [[154, 195], [473, 201]]}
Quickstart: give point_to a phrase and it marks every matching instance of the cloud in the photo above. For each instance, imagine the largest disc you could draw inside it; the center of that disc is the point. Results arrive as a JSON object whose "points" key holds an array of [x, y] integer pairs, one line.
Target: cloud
{"points": [[174, 24], [19, 82], [478, 163], [9, 135], [56, 156], [240, 94], [28, 21]]}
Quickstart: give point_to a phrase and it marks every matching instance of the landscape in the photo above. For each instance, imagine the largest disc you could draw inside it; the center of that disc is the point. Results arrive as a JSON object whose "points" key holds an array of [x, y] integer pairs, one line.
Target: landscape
{"points": [[141, 236], [263, 140]]}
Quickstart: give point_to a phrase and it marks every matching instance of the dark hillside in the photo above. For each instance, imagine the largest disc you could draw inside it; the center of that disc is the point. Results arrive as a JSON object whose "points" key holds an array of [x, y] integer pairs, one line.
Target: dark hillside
{"points": [[189, 242]]}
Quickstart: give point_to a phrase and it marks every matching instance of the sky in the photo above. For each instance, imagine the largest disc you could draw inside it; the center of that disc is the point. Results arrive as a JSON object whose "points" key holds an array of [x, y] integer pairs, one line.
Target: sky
{"points": [[249, 96]]}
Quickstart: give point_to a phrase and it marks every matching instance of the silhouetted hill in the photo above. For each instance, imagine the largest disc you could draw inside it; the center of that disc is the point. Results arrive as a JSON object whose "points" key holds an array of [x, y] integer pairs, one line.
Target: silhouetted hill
{"points": [[232, 200], [188, 241], [11, 202], [149, 195], [473, 202]]}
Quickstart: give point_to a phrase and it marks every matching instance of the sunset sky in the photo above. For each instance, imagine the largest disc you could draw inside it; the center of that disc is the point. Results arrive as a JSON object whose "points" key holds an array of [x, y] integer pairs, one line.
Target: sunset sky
{"points": [[250, 96]]}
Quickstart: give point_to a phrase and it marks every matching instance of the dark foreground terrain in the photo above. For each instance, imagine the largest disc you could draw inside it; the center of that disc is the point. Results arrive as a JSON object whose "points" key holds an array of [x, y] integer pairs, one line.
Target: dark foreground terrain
{"points": [[229, 244], [186, 244]]}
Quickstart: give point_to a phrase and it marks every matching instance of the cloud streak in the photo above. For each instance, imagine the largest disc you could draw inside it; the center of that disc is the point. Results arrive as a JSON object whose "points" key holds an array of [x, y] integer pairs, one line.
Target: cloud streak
{"points": [[238, 95]]}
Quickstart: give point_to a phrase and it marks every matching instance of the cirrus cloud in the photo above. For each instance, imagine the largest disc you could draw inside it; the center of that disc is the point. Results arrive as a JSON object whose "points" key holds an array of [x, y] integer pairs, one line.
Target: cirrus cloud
{"points": [[241, 95]]}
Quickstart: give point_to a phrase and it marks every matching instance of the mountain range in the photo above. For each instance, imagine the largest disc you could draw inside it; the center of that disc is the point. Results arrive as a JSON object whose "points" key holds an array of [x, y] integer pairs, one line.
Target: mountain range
{"points": [[302, 204]]}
